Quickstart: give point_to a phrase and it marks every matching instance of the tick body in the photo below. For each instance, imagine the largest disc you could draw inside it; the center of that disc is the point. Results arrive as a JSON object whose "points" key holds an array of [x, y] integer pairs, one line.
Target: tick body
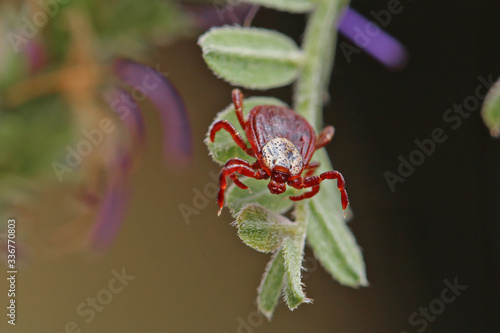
{"points": [[283, 143]]}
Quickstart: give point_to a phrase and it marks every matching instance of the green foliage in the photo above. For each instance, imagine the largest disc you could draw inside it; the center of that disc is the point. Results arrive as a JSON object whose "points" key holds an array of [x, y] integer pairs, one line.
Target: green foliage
{"points": [[294, 6], [257, 58], [31, 140], [271, 285], [263, 229], [491, 110], [12, 67], [294, 295], [267, 231], [124, 25], [319, 47], [335, 247], [328, 235], [251, 57]]}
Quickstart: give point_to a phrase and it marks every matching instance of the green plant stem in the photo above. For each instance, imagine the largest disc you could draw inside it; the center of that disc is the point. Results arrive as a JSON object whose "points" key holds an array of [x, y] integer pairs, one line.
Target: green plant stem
{"points": [[319, 48]]}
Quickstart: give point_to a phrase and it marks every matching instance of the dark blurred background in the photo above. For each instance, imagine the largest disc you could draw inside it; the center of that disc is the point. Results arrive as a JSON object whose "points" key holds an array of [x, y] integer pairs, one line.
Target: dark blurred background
{"points": [[440, 224]]}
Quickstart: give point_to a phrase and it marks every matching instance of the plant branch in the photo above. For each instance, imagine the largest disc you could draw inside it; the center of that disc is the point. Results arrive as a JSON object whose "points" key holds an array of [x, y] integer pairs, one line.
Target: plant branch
{"points": [[319, 48]]}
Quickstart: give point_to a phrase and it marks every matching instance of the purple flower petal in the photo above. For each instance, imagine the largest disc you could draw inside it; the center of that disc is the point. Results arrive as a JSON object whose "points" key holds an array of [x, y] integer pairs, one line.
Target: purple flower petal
{"points": [[128, 111], [113, 206], [110, 219], [207, 16], [373, 40], [36, 55], [146, 82]]}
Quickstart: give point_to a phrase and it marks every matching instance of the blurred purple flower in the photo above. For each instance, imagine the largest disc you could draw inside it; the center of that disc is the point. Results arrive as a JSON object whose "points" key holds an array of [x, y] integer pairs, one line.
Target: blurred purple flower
{"points": [[376, 42], [113, 206], [145, 83], [117, 196], [177, 141], [128, 111], [36, 55]]}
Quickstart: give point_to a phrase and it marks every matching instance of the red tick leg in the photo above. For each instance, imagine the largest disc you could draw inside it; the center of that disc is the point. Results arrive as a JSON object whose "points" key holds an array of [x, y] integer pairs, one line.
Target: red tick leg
{"points": [[324, 137], [234, 178], [243, 170], [238, 106], [314, 181], [255, 166], [311, 193], [311, 168], [224, 124], [238, 183]]}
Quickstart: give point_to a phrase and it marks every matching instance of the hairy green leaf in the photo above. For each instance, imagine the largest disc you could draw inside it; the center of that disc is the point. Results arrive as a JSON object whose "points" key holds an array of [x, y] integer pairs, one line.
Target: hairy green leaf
{"points": [[224, 147], [262, 229], [270, 287], [251, 57], [293, 6], [292, 289], [327, 233], [491, 110]]}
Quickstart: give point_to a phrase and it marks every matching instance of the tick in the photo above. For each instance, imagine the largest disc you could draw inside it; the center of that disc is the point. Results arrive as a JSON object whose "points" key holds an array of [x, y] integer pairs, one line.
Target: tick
{"points": [[283, 143]]}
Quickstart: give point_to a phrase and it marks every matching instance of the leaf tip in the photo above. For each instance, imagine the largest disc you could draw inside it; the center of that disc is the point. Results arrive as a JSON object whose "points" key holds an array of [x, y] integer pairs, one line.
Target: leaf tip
{"points": [[266, 313]]}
